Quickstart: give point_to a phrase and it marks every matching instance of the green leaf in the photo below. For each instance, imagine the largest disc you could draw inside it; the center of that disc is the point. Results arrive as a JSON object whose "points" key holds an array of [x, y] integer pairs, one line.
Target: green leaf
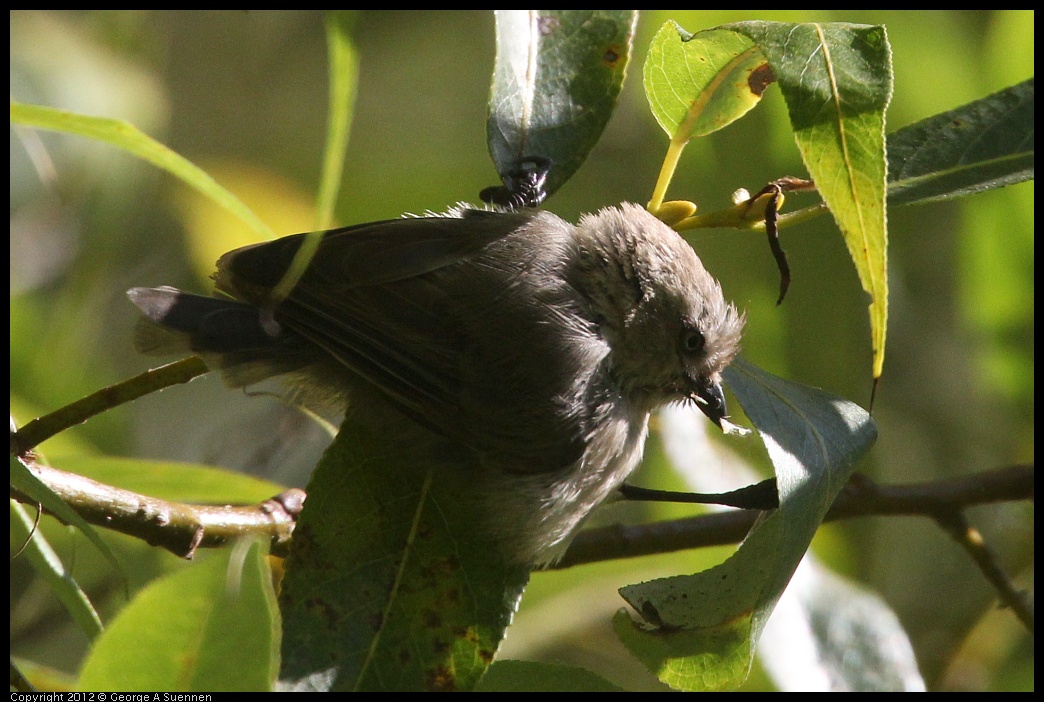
{"points": [[984, 144], [837, 82], [49, 565], [344, 75], [127, 137], [391, 583], [213, 626], [169, 480], [530, 676], [700, 631], [695, 85], [555, 83], [698, 83]]}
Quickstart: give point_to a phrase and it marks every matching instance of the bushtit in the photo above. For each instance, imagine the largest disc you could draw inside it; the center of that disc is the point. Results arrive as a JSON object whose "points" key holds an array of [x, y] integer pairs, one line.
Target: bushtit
{"points": [[538, 346]]}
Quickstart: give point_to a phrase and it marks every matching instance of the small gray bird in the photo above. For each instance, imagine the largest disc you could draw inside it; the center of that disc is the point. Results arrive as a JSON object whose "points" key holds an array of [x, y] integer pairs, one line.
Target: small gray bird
{"points": [[539, 346]]}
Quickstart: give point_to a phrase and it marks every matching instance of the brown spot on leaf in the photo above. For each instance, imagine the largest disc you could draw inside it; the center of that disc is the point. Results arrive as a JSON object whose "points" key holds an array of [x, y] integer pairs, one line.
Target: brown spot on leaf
{"points": [[322, 609], [611, 56], [547, 25], [432, 619], [761, 78], [651, 614], [467, 633], [376, 621], [440, 679]]}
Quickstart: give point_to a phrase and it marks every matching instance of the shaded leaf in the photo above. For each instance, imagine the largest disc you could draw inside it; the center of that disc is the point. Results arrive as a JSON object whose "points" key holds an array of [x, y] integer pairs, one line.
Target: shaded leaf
{"points": [[837, 82], [344, 78], [826, 633], [391, 584], [699, 631], [210, 627], [169, 480], [555, 83], [830, 634], [530, 676], [985, 144]]}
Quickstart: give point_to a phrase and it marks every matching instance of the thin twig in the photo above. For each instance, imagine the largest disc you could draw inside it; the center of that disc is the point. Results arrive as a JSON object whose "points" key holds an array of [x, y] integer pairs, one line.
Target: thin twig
{"points": [[42, 428], [956, 525]]}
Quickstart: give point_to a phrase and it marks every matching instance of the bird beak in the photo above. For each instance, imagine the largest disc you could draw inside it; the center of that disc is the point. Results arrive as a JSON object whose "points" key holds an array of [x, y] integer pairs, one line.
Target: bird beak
{"points": [[710, 398]]}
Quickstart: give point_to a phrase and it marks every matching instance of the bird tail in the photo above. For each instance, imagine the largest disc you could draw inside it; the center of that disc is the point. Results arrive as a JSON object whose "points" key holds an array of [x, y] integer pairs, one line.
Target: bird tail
{"points": [[230, 335]]}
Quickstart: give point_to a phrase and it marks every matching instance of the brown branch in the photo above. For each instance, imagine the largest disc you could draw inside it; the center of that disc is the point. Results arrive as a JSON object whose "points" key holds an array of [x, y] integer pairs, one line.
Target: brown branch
{"points": [[957, 526], [180, 528], [942, 501]]}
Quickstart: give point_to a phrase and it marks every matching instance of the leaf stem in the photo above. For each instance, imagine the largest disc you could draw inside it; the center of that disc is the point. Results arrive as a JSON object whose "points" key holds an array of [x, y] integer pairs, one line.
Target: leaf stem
{"points": [[670, 164]]}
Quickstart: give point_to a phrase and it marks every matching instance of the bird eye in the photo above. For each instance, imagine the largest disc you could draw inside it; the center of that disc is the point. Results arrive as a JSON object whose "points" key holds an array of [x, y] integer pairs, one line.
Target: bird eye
{"points": [[692, 341]]}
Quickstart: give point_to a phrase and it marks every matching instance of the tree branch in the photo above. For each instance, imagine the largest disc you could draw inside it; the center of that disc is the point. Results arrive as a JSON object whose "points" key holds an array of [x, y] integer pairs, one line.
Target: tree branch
{"points": [[941, 500], [180, 528], [957, 526]]}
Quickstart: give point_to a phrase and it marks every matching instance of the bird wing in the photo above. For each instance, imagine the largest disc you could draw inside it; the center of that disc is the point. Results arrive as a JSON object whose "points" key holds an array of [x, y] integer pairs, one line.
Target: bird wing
{"points": [[417, 309]]}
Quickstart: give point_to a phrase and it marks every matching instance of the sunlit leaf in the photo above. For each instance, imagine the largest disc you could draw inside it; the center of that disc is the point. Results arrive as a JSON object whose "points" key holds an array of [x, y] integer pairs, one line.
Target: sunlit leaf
{"points": [[126, 136], [837, 82], [698, 83], [24, 531], [209, 627]]}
